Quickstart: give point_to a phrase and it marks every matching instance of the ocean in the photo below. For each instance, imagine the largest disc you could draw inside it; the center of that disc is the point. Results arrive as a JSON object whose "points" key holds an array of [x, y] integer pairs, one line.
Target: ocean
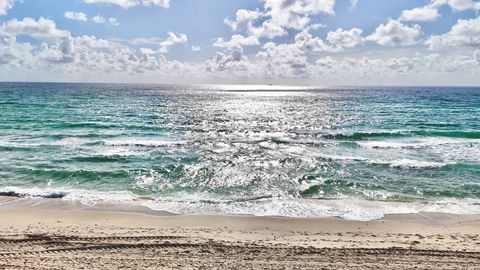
{"points": [[357, 153]]}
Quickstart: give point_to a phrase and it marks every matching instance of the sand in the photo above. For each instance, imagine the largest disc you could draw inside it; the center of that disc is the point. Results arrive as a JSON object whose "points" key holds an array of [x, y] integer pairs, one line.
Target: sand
{"points": [[62, 236]]}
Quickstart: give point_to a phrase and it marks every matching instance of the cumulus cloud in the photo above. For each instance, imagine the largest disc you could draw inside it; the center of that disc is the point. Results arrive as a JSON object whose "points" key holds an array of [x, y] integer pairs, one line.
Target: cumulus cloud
{"points": [[395, 69], [5, 5], [295, 14], [99, 19], [307, 42], [345, 39], [162, 44], [283, 60], [80, 16], [430, 11], [59, 51], [236, 41], [233, 62], [278, 16], [304, 54], [77, 16], [457, 5], [287, 59], [196, 48], [426, 13], [463, 33], [394, 33], [244, 20], [44, 29], [174, 38], [102, 20], [131, 3]]}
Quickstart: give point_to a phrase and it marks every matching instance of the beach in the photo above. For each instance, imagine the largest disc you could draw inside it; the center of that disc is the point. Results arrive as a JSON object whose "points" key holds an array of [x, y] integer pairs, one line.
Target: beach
{"points": [[108, 176], [265, 134], [51, 234]]}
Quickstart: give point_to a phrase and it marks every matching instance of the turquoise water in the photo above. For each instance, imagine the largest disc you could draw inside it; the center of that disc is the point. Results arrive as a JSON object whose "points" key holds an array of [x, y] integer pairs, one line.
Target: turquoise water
{"points": [[357, 153]]}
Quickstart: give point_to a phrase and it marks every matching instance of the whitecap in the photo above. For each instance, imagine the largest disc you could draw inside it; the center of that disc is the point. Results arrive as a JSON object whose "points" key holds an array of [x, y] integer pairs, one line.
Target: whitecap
{"points": [[414, 143]]}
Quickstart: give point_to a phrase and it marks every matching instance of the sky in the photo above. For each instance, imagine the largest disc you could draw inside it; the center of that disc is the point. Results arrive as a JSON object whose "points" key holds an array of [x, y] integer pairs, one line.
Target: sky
{"points": [[292, 42]]}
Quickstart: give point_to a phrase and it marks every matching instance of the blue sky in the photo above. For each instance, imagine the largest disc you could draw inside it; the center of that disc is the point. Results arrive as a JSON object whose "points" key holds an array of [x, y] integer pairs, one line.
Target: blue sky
{"points": [[368, 42]]}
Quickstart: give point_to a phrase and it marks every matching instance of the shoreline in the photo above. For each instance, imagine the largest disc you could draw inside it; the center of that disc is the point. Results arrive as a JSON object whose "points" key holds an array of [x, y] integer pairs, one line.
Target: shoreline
{"points": [[50, 233], [55, 204]]}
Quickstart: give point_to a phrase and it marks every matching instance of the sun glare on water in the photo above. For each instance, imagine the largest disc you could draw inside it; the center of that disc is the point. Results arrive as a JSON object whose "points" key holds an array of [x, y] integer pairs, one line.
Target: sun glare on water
{"points": [[259, 87]]}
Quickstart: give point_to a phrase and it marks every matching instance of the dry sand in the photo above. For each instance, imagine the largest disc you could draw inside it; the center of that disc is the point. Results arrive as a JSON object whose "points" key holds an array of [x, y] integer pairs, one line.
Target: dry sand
{"points": [[68, 238]]}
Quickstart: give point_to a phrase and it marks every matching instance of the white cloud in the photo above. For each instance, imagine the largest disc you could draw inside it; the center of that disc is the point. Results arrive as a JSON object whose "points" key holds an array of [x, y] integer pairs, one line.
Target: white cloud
{"points": [[345, 39], [147, 41], [353, 4], [14, 53], [463, 33], [305, 41], [113, 21], [131, 3], [163, 44], [174, 38], [77, 16], [5, 5], [394, 33], [457, 5], [101, 20], [279, 15], [236, 41], [59, 52], [310, 55], [397, 70], [430, 11], [43, 29], [287, 59], [233, 62], [243, 20], [268, 29], [426, 13], [283, 61], [295, 14], [476, 56]]}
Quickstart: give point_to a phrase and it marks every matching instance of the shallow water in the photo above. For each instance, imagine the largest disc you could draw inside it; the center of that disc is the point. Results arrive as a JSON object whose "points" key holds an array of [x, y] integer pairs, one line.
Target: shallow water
{"points": [[357, 153]]}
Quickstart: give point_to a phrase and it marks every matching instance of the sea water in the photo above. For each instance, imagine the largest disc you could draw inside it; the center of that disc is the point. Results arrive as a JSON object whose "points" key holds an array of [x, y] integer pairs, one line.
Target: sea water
{"points": [[356, 153]]}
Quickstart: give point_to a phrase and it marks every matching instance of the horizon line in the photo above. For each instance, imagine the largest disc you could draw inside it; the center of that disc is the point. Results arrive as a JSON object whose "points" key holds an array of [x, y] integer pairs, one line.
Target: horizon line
{"points": [[306, 87]]}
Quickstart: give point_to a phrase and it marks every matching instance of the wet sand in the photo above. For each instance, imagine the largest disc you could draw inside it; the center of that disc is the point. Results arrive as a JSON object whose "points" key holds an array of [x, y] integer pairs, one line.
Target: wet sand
{"points": [[64, 237]]}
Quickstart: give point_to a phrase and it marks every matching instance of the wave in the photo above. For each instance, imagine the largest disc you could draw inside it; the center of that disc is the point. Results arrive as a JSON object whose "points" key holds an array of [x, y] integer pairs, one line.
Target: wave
{"points": [[414, 143], [86, 197], [347, 208], [352, 209], [394, 163], [357, 136], [416, 164]]}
